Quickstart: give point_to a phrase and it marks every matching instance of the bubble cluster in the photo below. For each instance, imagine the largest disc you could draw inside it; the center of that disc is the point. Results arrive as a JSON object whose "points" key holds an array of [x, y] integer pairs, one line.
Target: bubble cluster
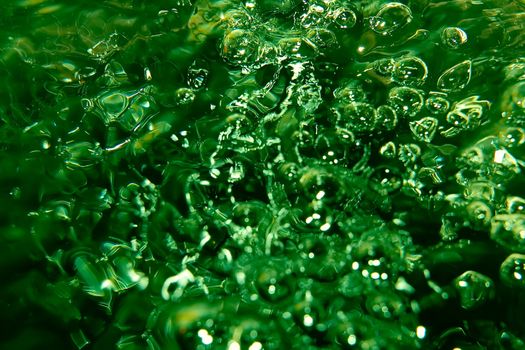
{"points": [[260, 174]]}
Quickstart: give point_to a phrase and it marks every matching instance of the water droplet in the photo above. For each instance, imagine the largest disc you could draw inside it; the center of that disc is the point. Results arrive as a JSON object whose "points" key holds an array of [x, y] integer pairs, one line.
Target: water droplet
{"points": [[357, 116], [453, 37], [474, 289], [479, 213], [388, 150], [184, 96], [515, 205], [437, 103], [512, 137], [512, 271], [343, 18], [410, 71], [406, 101], [390, 17], [455, 78], [509, 231], [240, 47], [424, 129], [386, 179], [386, 118]]}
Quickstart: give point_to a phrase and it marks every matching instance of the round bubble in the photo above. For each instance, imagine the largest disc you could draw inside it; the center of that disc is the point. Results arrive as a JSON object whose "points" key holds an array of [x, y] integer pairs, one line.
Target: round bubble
{"points": [[386, 118], [456, 78], [240, 47], [410, 71], [359, 116], [512, 271], [474, 289], [453, 37], [391, 16], [424, 129], [437, 104], [406, 101], [343, 18]]}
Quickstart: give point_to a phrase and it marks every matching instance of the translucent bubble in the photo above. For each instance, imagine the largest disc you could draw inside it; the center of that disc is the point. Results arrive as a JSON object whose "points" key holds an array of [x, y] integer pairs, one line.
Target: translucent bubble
{"points": [[512, 137], [358, 116], [410, 71], [453, 37], [515, 205], [386, 179], [113, 104], [479, 213], [386, 118], [351, 91], [455, 78], [391, 16], [424, 129], [437, 104], [388, 150], [509, 231], [512, 271], [333, 146], [406, 101], [184, 96], [474, 289], [343, 18], [321, 38], [409, 153], [314, 16], [385, 305], [240, 47]]}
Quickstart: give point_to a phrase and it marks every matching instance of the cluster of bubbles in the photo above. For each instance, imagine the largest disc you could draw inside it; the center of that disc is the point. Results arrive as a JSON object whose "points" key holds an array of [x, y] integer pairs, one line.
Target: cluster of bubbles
{"points": [[260, 174]]}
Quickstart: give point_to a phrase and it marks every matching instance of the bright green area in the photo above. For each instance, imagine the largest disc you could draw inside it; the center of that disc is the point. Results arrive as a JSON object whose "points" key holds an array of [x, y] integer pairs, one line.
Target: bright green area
{"points": [[262, 174]]}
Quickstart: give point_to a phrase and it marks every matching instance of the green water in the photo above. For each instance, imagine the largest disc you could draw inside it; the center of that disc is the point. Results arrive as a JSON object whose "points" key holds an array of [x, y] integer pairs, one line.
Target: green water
{"points": [[262, 174]]}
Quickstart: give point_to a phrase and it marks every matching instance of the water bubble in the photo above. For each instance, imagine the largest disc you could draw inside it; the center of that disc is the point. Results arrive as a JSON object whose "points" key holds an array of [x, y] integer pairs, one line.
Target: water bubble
{"points": [[474, 289], [512, 137], [409, 153], [343, 18], [437, 103], [386, 118], [113, 103], [388, 150], [424, 129], [357, 116], [184, 96], [321, 38], [385, 305], [386, 179], [315, 16], [512, 271], [479, 213], [453, 37], [351, 91], [509, 231], [240, 47], [410, 71], [455, 78], [515, 205], [390, 17], [405, 100]]}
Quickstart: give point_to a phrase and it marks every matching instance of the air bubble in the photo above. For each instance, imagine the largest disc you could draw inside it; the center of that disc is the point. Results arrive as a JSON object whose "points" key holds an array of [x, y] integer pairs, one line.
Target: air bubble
{"points": [[424, 129], [509, 231], [410, 71], [455, 78], [512, 271], [386, 118], [240, 47], [391, 17], [453, 37], [437, 104], [406, 101], [343, 18], [474, 289]]}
